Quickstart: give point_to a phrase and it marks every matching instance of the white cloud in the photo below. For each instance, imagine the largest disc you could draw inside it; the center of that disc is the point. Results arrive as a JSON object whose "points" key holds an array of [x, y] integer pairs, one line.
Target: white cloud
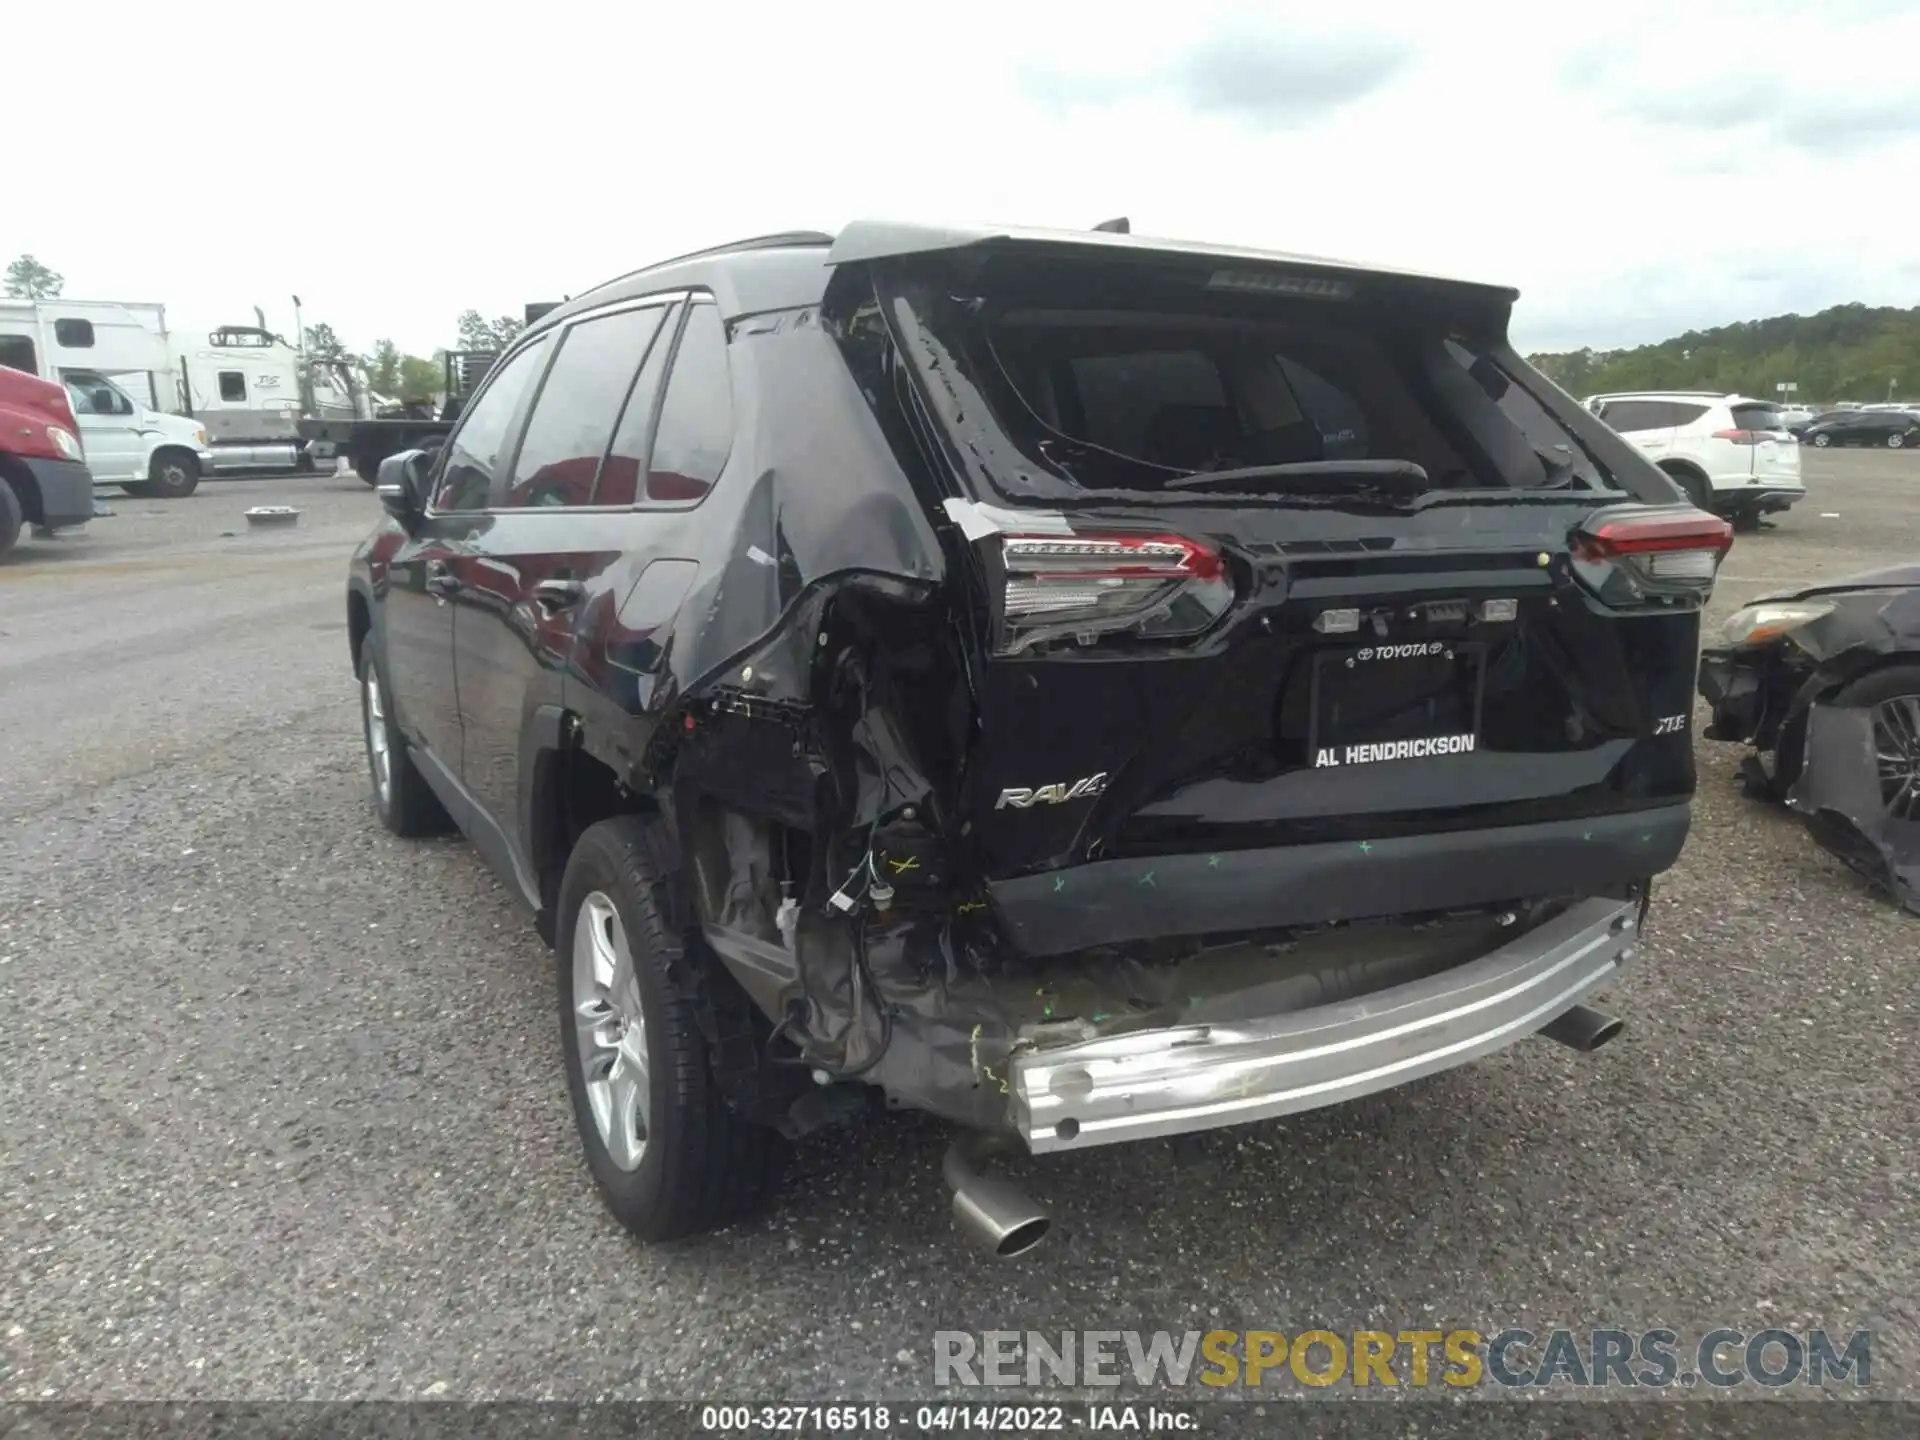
{"points": [[1635, 171]]}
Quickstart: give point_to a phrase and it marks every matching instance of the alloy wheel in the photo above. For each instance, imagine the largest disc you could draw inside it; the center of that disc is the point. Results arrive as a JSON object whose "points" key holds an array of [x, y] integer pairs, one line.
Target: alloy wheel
{"points": [[1896, 744], [379, 750], [611, 1026]]}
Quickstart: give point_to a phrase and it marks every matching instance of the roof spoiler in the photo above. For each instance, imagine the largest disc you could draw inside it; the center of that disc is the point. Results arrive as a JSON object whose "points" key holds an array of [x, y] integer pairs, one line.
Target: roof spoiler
{"points": [[1231, 266]]}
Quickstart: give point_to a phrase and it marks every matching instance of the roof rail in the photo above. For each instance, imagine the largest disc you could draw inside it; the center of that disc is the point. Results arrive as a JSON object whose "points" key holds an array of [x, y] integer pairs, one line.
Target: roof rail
{"points": [[782, 240]]}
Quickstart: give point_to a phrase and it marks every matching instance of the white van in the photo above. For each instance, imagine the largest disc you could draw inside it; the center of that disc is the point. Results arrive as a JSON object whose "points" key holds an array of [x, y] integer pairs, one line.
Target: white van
{"points": [[142, 450], [112, 358]]}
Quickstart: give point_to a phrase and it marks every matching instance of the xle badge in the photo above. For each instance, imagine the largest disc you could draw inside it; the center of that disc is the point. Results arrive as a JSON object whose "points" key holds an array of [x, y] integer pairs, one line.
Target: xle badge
{"points": [[1055, 794], [1393, 750]]}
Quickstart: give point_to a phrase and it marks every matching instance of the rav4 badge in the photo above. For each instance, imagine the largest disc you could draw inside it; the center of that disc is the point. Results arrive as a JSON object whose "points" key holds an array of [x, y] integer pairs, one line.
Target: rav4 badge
{"points": [[1056, 794]]}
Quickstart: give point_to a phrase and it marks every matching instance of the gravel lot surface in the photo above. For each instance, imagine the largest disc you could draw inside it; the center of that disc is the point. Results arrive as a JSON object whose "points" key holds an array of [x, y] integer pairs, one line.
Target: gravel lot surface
{"points": [[283, 1111]]}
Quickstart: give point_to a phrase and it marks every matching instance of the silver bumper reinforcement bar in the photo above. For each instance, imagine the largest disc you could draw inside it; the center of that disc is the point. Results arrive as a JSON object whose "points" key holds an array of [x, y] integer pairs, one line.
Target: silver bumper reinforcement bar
{"points": [[1193, 1077]]}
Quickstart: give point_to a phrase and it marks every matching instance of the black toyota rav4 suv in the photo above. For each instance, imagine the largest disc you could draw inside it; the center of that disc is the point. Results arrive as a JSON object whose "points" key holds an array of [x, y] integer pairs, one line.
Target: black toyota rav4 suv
{"points": [[1085, 687]]}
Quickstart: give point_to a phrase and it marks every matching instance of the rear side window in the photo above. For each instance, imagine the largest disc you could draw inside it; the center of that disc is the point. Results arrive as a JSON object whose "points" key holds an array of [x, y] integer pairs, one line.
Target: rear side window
{"points": [[1552, 444], [579, 401], [1682, 413], [473, 453], [74, 334], [16, 353], [1759, 417], [695, 433], [233, 385]]}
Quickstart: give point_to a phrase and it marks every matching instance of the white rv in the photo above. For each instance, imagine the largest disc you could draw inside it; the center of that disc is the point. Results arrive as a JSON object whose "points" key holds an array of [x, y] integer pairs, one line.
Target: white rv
{"points": [[158, 408], [112, 358]]}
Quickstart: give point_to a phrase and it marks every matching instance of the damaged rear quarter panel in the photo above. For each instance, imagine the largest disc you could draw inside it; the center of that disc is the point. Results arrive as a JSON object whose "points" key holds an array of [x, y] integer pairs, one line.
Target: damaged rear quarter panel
{"points": [[811, 500]]}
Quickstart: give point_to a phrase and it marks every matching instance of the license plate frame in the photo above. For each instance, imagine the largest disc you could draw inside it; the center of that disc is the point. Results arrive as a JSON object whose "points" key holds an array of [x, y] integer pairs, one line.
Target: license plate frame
{"points": [[1336, 670]]}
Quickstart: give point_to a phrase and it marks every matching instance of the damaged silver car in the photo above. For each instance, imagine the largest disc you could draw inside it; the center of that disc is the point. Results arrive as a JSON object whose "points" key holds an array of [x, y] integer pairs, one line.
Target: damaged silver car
{"points": [[1824, 684], [1084, 687]]}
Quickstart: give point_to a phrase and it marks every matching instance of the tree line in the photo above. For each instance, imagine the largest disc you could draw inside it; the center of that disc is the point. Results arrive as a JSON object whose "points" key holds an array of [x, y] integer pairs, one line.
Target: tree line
{"points": [[388, 371], [1849, 352]]}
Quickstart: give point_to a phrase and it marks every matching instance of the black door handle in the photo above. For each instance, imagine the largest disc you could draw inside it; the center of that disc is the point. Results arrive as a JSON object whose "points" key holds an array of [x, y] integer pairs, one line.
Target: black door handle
{"points": [[556, 595]]}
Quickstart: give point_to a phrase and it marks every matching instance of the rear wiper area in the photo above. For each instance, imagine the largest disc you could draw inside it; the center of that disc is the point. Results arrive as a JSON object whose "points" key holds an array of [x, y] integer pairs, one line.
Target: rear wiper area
{"points": [[1399, 478]]}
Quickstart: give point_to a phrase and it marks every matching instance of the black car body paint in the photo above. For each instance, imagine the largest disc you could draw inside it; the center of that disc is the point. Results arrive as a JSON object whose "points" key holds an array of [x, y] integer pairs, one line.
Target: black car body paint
{"points": [[803, 674]]}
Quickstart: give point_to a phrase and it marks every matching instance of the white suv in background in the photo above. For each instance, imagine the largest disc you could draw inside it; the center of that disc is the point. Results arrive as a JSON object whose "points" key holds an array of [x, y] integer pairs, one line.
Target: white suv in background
{"points": [[1730, 454]]}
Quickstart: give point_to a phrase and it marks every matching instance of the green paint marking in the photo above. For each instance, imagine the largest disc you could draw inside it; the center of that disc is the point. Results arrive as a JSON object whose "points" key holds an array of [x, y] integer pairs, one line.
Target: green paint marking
{"points": [[1366, 847], [1059, 883], [1147, 879], [1586, 834], [1213, 862]]}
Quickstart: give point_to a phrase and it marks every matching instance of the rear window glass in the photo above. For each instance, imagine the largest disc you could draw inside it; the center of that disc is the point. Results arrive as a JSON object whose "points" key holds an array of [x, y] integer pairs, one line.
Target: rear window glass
{"points": [[1129, 400]]}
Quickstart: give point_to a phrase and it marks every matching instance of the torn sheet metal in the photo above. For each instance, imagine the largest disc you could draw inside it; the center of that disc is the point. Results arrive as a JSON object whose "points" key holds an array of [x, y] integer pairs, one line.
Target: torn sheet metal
{"points": [[1839, 794]]}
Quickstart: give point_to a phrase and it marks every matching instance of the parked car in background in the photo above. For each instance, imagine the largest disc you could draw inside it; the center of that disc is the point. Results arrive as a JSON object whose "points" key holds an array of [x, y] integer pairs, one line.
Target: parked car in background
{"points": [[43, 473], [1895, 429], [1826, 678], [1084, 687], [1729, 454]]}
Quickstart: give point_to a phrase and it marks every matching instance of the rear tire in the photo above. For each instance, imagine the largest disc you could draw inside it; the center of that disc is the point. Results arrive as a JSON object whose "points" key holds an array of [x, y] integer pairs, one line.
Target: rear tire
{"points": [[668, 1156], [1746, 522], [139, 488], [173, 475], [1694, 486], [11, 517], [1896, 441], [402, 798], [1821, 442]]}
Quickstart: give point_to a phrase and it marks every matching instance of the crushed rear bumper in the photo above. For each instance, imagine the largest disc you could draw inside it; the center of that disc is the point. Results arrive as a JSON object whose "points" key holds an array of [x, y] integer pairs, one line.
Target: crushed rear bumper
{"points": [[1194, 1077]]}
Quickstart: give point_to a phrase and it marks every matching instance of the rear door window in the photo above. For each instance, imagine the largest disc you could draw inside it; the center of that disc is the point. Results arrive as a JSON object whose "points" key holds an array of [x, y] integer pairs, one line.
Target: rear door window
{"points": [[474, 452], [578, 405], [1683, 412], [1633, 416], [621, 473], [695, 433]]}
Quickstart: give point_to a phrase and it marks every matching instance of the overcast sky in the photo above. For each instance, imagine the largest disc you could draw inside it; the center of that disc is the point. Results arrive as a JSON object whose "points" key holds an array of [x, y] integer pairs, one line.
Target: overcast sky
{"points": [[1635, 169]]}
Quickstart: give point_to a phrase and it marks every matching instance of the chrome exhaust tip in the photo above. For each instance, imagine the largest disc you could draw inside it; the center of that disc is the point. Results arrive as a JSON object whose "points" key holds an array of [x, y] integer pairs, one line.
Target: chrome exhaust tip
{"points": [[994, 1214], [1584, 1029]]}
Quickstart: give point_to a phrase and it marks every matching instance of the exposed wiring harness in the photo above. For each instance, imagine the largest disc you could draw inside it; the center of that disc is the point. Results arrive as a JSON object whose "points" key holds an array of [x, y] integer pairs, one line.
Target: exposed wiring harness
{"points": [[865, 875]]}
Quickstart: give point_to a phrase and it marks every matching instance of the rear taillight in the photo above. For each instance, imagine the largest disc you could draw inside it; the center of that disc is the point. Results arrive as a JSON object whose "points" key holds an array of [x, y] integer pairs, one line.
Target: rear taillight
{"points": [[1751, 437], [1630, 552], [1087, 587]]}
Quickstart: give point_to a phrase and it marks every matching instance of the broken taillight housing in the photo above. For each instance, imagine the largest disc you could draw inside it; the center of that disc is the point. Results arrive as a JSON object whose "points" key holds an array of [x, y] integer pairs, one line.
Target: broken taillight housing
{"points": [[1092, 586], [1632, 552]]}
